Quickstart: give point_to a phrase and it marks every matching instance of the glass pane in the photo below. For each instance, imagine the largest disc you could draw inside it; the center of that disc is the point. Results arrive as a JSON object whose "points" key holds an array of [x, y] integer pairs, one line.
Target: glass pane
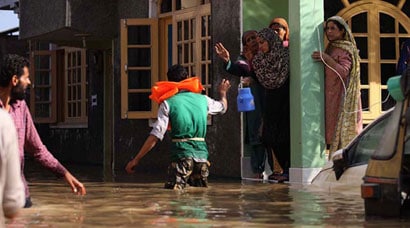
{"points": [[204, 25], [73, 62], [166, 6], [74, 110], [178, 5], [203, 50], [42, 78], [139, 102], [179, 47], [193, 25], [139, 79], [209, 73], [69, 76], [79, 97], [79, 109], [170, 45], [364, 74], [69, 60], [74, 97], [42, 94], [361, 43], [42, 62], [364, 93], [139, 57], [186, 53], [402, 30], [42, 110], [387, 48], [387, 70], [179, 31], [203, 74], [367, 143], [186, 30], [386, 23], [359, 23], [78, 79], [69, 93], [70, 110], [193, 53], [74, 76], [139, 34], [209, 26]]}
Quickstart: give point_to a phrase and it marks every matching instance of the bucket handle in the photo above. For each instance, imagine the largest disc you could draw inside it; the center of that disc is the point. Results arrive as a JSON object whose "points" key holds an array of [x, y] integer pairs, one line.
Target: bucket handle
{"points": [[240, 86]]}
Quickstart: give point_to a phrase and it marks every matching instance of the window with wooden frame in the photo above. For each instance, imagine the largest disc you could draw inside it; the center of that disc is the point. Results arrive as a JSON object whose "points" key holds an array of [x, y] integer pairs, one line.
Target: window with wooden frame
{"points": [[60, 85], [193, 42], [76, 86], [185, 39], [139, 67], [379, 28], [43, 94]]}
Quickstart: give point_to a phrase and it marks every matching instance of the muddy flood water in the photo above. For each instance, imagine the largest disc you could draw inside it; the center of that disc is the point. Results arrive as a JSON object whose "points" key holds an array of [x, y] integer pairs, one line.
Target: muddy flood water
{"points": [[226, 203]]}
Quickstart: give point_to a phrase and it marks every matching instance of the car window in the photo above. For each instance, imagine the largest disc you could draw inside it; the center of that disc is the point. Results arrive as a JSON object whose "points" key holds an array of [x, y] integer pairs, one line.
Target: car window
{"points": [[367, 143]]}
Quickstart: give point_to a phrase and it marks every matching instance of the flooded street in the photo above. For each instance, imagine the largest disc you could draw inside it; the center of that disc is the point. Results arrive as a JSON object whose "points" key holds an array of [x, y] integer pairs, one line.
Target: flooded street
{"points": [[226, 203]]}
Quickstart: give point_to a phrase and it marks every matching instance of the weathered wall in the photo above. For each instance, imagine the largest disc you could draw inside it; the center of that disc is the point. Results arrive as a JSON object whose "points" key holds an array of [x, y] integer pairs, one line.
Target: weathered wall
{"points": [[224, 136], [12, 45], [95, 17], [69, 21], [258, 14], [39, 17]]}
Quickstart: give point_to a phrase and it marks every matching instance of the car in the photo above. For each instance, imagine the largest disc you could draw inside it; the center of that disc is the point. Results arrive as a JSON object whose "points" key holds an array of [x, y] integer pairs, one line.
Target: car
{"points": [[386, 183], [376, 163], [347, 166]]}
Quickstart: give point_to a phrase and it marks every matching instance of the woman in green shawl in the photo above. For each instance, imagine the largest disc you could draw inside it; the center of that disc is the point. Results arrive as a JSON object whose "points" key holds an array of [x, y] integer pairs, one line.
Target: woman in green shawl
{"points": [[343, 116]]}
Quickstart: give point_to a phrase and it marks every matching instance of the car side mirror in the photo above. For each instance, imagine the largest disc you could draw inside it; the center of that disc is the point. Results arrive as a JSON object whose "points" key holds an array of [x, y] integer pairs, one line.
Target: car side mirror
{"points": [[339, 163]]}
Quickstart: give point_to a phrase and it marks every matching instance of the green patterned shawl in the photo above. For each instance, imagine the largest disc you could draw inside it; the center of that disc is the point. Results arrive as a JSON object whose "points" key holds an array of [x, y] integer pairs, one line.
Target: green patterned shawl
{"points": [[347, 122]]}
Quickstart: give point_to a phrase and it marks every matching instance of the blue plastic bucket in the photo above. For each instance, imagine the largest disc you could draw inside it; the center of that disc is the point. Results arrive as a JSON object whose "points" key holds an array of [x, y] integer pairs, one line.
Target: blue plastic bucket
{"points": [[245, 100]]}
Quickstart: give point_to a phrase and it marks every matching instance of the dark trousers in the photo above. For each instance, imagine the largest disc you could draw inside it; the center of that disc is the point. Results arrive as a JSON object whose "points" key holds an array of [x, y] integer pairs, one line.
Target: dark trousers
{"points": [[258, 156]]}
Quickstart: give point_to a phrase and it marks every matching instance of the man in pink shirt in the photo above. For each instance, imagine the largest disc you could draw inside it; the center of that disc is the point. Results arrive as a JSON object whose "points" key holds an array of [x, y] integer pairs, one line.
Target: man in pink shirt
{"points": [[14, 80]]}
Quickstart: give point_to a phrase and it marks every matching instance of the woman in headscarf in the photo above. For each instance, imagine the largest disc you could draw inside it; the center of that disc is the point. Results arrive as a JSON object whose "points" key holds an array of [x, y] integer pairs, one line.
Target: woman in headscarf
{"points": [[271, 66], [242, 67], [281, 27], [343, 117]]}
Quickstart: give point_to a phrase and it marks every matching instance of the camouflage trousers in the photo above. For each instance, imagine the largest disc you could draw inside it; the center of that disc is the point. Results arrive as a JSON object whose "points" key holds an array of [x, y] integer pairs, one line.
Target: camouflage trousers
{"points": [[187, 171]]}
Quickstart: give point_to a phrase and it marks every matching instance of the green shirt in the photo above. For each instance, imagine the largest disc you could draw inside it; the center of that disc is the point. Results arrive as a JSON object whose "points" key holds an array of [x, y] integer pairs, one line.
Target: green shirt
{"points": [[188, 118]]}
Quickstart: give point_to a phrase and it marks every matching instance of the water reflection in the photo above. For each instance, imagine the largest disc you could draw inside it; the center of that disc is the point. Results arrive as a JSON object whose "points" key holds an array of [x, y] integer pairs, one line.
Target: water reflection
{"points": [[224, 204]]}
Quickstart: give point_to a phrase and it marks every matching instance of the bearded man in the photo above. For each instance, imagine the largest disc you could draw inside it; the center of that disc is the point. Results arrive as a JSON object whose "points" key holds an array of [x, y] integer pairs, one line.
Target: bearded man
{"points": [[14, 80]]}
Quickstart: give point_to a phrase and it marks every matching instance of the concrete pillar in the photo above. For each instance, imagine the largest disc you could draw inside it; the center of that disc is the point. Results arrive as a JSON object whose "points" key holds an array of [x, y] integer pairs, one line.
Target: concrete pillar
{"points": [[306, 90]]}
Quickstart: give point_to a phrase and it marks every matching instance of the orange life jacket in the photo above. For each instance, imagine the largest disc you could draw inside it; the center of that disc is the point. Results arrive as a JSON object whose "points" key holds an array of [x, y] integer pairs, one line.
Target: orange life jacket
{"points": [[163, 90]]}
